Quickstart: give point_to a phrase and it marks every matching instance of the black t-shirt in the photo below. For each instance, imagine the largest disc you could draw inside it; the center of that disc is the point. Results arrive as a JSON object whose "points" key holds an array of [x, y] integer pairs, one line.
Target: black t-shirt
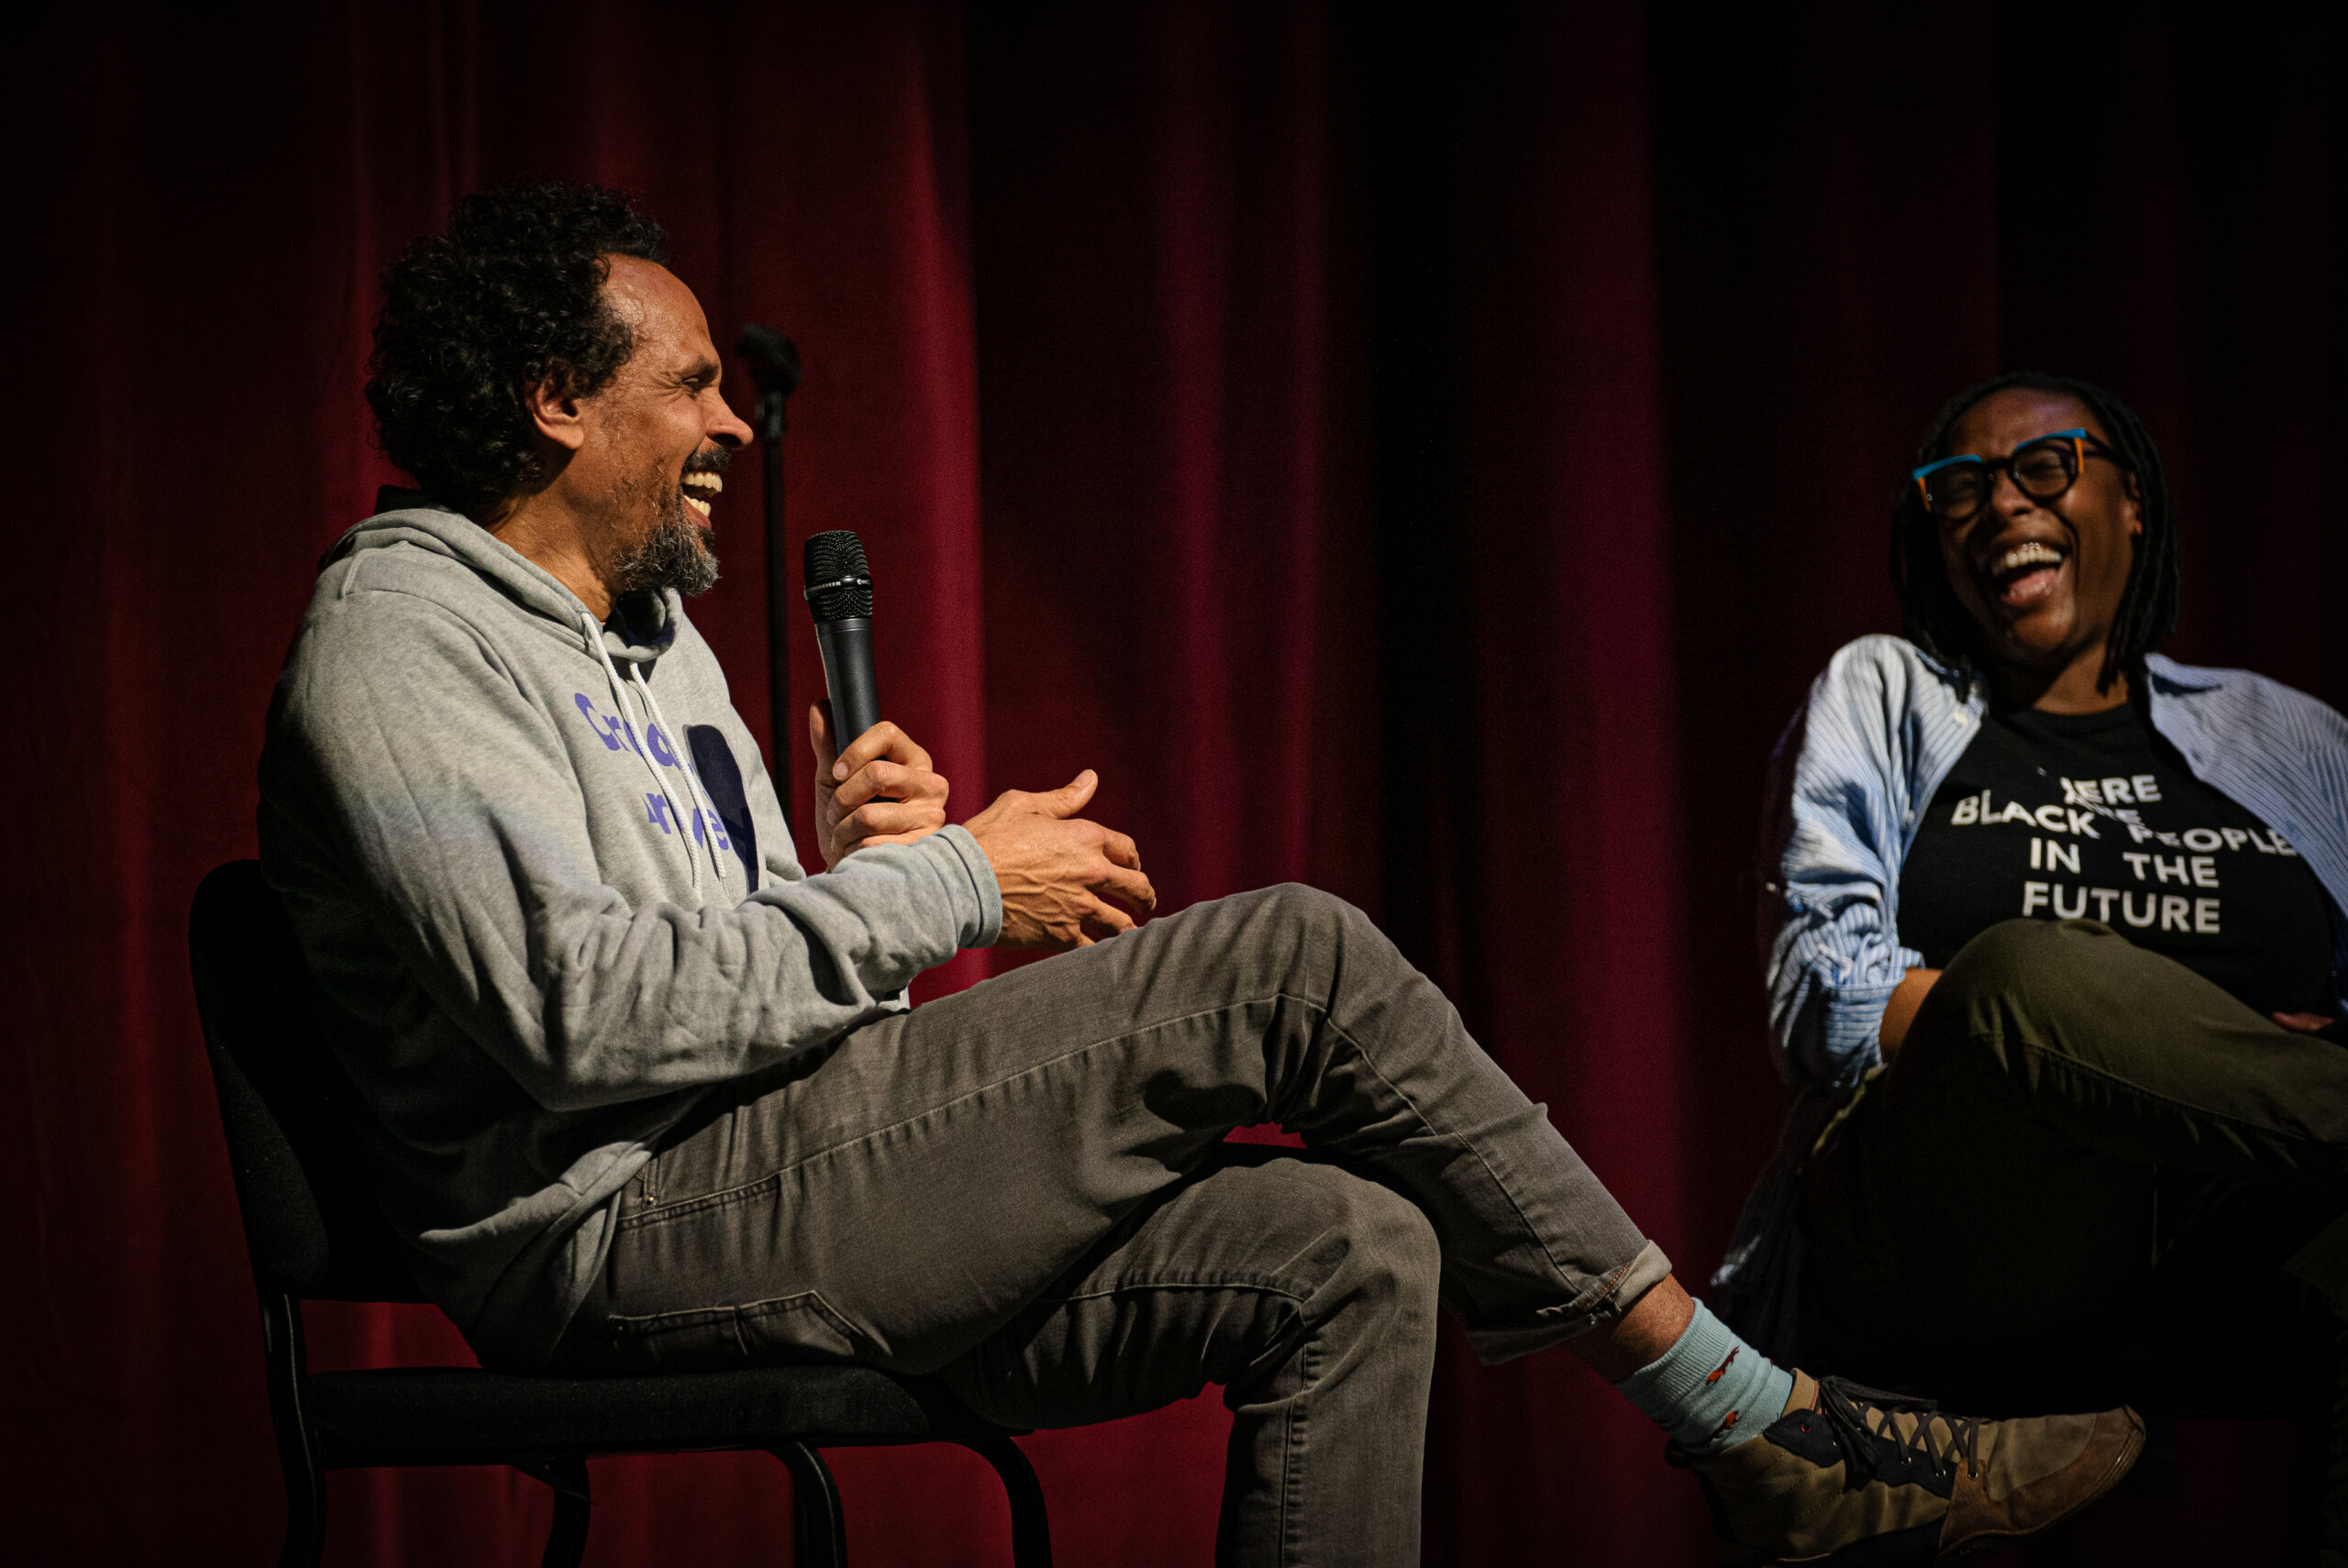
{"points": [[2065, 815]]}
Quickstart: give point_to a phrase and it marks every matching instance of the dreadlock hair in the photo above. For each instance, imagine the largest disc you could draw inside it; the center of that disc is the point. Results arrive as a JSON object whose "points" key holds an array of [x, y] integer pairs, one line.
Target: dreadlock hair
{"points": [[1930, 616]]}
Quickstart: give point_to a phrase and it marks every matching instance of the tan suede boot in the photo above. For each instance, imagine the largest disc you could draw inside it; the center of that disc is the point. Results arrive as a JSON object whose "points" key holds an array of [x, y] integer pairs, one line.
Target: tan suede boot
{"points": [[1854, 1475]]}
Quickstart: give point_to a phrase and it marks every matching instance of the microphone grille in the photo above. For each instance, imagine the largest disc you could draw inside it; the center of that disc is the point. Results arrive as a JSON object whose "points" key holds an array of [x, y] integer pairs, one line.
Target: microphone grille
{"points": [[839, 584]]}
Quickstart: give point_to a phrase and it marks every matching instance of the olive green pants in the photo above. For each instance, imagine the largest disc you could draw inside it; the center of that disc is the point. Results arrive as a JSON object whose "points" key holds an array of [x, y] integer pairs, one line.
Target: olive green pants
{"points": [[2088, 1175]]}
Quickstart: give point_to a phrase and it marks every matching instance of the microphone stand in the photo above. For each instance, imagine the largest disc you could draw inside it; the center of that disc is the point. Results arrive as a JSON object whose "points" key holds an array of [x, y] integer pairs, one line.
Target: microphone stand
{"points": [[774, 366]]}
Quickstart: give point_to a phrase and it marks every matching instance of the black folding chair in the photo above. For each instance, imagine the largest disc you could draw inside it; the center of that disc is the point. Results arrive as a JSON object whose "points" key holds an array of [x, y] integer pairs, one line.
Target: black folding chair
{"points": [[314, 1232]]}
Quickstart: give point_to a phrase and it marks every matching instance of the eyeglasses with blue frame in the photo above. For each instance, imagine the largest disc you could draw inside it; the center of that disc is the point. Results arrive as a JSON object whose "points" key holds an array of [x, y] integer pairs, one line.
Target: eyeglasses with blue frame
{"points": [[1954, 488]]}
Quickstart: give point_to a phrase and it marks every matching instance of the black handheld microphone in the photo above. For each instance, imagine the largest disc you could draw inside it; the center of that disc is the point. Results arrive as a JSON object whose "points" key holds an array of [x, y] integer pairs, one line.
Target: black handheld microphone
{"points": [[839, 595]]}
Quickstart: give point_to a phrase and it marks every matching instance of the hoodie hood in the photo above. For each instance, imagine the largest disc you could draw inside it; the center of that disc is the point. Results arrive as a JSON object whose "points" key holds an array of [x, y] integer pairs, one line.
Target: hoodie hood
{"points": [[642, 627]]}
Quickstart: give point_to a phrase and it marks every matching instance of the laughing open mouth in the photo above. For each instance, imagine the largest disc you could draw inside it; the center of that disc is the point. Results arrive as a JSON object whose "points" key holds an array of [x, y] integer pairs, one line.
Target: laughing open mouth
{"points": [[2027, 572], [700, 489]]}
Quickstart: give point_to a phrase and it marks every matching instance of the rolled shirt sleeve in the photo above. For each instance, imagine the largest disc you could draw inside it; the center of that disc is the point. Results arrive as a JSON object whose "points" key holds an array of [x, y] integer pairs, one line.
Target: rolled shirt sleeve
{"points": [[1847, 782]]}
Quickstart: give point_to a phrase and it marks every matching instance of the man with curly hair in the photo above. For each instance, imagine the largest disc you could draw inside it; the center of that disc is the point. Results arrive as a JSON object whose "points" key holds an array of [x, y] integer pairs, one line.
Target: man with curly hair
{"points": [[640, 1092]]}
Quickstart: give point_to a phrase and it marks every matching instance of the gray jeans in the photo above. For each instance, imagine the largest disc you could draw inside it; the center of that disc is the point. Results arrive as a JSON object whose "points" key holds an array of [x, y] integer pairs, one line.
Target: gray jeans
{"points": [[1023, 1188]]}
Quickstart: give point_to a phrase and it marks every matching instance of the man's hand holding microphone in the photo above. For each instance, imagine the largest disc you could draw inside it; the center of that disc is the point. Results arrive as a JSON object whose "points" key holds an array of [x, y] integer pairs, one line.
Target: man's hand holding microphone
{"points": [[1066, 882]]}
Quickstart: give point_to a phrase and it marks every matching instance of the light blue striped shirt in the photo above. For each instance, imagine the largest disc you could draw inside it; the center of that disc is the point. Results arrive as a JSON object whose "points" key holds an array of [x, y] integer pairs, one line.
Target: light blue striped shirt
{"points": [[1848, 785]]}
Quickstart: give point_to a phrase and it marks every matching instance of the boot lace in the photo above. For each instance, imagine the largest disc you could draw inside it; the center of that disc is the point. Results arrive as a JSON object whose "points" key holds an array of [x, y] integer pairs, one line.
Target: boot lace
{"points": [[1860, 1421]]}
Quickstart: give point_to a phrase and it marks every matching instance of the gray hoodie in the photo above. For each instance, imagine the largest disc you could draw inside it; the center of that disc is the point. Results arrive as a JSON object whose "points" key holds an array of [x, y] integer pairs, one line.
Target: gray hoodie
{"points": [[549, 894]]}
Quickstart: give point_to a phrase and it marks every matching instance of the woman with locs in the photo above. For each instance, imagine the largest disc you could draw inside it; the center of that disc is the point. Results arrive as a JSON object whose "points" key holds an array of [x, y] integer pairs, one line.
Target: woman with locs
{"points": [[2057, 962]]}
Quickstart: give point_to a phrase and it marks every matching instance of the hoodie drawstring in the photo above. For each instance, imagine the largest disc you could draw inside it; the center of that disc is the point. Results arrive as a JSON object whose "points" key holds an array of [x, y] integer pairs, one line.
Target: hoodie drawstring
{"points": [[676, 740], [628, 716]]}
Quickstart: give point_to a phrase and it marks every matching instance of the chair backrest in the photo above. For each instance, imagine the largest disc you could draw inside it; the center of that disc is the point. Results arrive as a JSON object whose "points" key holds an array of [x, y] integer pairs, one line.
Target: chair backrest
{"points": [[312, 1225]]}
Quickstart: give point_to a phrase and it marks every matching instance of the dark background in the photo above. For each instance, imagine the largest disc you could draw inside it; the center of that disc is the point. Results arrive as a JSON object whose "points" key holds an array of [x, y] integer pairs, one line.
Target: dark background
{"points": [[1420, 449]]}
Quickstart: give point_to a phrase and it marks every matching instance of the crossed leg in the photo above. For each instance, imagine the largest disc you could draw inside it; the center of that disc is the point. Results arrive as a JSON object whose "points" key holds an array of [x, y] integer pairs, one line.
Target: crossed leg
{"points": [[1995, 1188], [1024, 1185], [1984, 1224]]}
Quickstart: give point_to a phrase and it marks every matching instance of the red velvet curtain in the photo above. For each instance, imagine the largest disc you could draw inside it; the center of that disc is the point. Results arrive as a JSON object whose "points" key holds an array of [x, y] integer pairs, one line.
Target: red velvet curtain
{"points": [[1420, 450]]}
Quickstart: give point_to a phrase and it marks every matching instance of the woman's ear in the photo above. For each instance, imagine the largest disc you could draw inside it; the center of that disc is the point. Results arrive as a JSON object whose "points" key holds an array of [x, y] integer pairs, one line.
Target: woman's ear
{"points": [[2135, 494]]}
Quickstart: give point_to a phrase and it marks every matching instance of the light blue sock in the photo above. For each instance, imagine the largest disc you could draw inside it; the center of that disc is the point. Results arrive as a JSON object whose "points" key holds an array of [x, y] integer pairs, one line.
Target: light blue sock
{"points": [[1711, 1390]]}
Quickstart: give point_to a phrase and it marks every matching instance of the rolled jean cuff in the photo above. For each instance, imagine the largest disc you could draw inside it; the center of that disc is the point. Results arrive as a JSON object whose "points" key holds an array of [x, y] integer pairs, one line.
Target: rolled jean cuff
{"points": [[1604, 1304]]}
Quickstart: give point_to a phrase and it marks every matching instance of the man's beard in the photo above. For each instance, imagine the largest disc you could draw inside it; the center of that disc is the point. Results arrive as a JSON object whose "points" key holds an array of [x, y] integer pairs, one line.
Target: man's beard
{"points": [[676, 554]]}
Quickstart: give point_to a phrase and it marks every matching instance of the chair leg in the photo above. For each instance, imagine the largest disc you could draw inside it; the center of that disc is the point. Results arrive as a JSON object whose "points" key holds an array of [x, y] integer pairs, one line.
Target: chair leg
{"points": [[305, 1482], [567, 1537], [819, 1528], [1030, 1527], [306, 1529], [305, 1515]]}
